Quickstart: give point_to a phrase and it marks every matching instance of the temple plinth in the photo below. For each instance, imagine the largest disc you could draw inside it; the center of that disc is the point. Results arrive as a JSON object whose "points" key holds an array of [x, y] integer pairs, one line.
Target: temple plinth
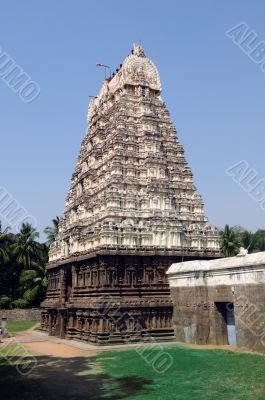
{"points": [[131, 211]]}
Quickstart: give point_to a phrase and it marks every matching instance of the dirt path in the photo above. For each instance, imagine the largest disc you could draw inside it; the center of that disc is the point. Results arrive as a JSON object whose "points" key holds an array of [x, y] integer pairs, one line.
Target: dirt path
{"points": [[65, 350], [45, 345], [57, 350]]}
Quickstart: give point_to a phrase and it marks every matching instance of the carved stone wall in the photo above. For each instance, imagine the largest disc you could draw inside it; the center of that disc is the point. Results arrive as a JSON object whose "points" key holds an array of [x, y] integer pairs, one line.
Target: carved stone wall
{"points": [[108, 299]]}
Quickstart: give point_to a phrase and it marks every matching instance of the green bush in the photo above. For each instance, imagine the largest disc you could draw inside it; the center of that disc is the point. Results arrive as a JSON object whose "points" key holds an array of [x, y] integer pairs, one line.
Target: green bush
{"points": [[31, 295], [5, 302], [20, 303]]}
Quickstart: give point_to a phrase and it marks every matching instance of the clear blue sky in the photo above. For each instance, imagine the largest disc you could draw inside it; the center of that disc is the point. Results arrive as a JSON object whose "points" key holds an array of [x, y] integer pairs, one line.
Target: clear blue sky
{"points": [[215, 93]]}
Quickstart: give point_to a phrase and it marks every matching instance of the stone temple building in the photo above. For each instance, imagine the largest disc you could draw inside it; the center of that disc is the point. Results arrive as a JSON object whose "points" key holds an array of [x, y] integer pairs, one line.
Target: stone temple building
{"points": [[131, 211], [220, 301]]}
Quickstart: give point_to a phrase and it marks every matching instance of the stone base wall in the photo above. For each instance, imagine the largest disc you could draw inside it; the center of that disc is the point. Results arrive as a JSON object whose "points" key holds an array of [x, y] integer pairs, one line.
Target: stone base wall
{"points": [[109, 299], [220, 301], [33, 314], [123, 324], [197, 318], [195, 315]]}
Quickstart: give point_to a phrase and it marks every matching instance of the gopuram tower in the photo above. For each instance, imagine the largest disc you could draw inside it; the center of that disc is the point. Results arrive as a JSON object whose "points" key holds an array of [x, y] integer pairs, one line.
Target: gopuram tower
{"points": [[131, 211]]}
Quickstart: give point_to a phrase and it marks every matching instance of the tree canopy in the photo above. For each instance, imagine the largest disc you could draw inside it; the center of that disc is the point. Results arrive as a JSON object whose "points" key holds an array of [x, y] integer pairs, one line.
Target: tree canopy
{"points": [[232, 238], [23, 279]]}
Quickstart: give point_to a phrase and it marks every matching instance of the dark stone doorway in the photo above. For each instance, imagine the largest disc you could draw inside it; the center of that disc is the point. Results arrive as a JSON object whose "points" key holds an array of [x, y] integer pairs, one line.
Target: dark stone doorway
{"points": [[225, 323]]}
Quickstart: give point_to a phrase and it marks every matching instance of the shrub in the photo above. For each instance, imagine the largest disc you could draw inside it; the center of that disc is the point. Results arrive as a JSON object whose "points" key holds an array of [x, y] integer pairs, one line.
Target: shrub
{"points": [[31, 295], [5, 302], [20, 303]]}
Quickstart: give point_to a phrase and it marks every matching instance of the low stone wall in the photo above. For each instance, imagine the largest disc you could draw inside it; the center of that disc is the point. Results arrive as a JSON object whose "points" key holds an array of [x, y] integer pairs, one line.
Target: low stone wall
{"points": [[21, 314], [220, 301]]}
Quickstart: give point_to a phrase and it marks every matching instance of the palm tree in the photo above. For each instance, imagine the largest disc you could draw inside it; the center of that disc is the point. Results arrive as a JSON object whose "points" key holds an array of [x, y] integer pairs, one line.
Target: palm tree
{"points": [[34, 280], [4, 249], [26, 248], [247, 240], [34, 283], [52, 231], [228, 242], [6, 239], [259, 240], [22, 265]]}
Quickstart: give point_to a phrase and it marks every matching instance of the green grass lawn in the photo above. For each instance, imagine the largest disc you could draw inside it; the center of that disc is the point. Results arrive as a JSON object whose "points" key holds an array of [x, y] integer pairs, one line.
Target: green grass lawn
{"points": [[117, 375], [15, 327], [194, 375]]}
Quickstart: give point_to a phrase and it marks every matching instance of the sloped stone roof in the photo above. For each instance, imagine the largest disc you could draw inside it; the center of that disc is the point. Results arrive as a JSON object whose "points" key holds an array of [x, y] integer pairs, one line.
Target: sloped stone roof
{"points": [[248, 260]]}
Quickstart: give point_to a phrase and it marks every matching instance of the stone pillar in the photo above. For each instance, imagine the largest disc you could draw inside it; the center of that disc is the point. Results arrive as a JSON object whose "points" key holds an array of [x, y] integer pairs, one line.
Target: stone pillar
{"points": [[101, 325], [62, 323], [74, 276], [50, 313], [62, 286], [70, 319]]}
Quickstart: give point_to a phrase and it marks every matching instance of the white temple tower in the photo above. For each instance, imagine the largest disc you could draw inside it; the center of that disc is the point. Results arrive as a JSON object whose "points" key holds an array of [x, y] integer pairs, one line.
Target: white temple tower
{"points": [[131, 211]]}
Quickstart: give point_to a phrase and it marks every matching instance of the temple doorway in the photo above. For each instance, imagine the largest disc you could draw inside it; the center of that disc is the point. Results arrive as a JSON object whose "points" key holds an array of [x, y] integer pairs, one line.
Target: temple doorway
{"points": [[230, 323], [225, 327]]}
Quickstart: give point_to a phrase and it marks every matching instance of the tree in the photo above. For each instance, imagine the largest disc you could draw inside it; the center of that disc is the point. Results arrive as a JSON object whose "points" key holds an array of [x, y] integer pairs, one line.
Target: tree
{"points": [[259, 240], [34, 280], [247, 241], [52, 231], [6, 239], [6, 257], [26, 248], [229, 243], [22, 265], [244, 237], [4, 248]]}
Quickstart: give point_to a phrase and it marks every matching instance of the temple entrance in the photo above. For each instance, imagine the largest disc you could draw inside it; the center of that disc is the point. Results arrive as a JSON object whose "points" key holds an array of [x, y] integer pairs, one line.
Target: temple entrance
{"points": [[231, 326], [225, 323]]}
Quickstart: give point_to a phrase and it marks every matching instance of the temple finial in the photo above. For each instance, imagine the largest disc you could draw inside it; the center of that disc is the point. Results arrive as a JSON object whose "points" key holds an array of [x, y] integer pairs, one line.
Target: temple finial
{"points": [[138, 50]]}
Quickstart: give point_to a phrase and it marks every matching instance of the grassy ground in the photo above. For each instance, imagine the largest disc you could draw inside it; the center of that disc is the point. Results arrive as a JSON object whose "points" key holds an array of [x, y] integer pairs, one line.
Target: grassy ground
{"points": [[15, 327], [132, 375], [194, 375]]}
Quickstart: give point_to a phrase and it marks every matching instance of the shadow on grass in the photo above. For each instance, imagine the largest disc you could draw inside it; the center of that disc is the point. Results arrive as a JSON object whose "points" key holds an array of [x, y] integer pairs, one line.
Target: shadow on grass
{"points": [[57, 378]]}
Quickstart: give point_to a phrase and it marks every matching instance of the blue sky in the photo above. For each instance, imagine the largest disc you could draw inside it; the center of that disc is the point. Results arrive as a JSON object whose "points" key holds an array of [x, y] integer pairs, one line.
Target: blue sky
{"points": [[215, 93]]}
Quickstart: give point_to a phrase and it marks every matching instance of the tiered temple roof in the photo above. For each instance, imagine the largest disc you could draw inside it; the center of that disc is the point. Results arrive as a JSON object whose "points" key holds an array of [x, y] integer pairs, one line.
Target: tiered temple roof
{"points": [[132, 189]]}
